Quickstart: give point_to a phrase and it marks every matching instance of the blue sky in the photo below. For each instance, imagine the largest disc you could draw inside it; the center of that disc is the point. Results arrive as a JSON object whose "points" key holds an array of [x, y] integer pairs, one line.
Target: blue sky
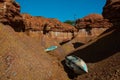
{"points": [[61, 9]]}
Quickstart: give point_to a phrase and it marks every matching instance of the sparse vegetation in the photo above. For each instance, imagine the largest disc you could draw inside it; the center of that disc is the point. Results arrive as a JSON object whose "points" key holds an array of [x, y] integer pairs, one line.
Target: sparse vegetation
{"points": [[71, 22]]}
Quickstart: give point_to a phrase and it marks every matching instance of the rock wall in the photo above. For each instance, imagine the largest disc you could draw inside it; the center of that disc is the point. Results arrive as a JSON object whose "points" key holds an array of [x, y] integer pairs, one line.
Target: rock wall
{"points": [[36, 26], [91, 26], [93, 21], [47, 24], [62, 36], [10, 14], [58, 36], [111, 11], [84, 36], [61, 32]]}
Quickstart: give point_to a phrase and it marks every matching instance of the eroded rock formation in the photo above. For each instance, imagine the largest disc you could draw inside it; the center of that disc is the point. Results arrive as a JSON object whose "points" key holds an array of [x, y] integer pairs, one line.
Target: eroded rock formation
{"points": [[91, 26], [38, 23], [51, 27], [10, 14], [93, 21], [112, 11]]}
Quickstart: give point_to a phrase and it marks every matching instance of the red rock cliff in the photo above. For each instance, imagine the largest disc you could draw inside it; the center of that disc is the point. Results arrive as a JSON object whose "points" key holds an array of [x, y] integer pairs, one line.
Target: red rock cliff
{"points": [[35, 26], [94, 21], [41, 23], [111, 11], [91, 26], [10, 14]]}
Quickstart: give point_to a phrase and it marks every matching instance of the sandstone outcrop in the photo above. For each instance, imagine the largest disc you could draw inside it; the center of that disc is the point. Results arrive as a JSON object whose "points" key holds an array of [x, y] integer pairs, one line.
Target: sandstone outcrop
{"points": [[91, 26], [93, 21], [34, 26], [10, 14], [50, 24], [112, 11]]}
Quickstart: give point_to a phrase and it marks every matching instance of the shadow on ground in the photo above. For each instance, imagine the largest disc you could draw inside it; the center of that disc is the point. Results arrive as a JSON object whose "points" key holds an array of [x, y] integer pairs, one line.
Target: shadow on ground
{"points": [[99, 49], [77, 44], [69, 72]]}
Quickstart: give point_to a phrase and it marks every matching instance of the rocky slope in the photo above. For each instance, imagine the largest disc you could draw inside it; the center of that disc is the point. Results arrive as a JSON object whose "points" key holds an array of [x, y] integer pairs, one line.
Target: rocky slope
{"points": [[100, 53], [24, 58]]}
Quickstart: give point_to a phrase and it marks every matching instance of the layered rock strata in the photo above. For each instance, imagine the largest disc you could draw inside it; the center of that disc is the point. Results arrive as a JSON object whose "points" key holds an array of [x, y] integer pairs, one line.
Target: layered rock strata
{"points": [[34, 26], [91, 26]]}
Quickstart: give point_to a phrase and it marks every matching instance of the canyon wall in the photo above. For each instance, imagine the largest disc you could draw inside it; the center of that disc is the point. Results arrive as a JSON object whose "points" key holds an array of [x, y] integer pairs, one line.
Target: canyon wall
{"points": [[84, 36], [10, 14], [36, 26], [112, 12], [85, 29], [91, 26]]}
